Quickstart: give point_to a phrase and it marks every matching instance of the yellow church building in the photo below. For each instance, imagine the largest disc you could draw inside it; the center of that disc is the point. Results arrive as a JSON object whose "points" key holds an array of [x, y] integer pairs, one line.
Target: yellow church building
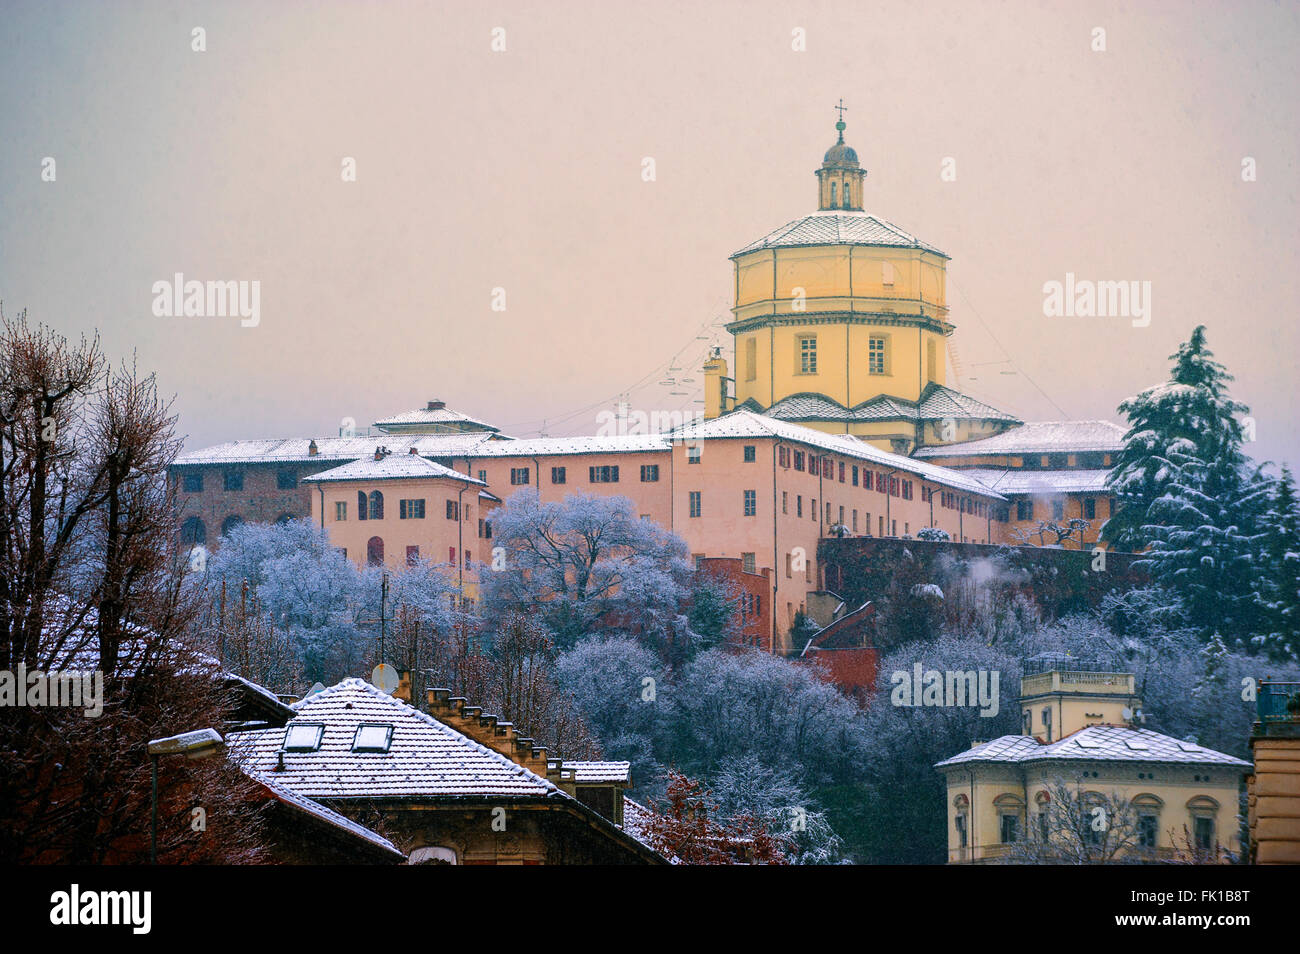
{"points": [[840, 324]]}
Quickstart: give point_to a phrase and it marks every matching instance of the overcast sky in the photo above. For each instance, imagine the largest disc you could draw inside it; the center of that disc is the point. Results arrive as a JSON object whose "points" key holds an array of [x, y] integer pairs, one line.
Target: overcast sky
{"points": [[522, 170]]}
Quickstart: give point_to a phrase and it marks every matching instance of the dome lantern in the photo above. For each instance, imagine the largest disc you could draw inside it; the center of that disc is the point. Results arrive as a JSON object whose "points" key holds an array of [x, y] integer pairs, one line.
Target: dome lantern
{"points": [[839, 180]]}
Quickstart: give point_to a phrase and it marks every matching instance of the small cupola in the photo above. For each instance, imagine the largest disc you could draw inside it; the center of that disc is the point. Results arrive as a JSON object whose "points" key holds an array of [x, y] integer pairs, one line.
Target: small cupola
{"points": [[840, 179]]}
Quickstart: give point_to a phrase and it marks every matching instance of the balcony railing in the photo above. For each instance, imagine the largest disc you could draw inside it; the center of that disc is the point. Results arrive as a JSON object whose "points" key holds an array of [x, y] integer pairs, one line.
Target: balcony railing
{"points": [[1273, 698], [1118, 683]]}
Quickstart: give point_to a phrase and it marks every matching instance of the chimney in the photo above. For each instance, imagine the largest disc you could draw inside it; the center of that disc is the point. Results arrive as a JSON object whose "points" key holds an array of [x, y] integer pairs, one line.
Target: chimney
{"points": [[487, 730], [381, 453], [436, 405], [312, 449]]}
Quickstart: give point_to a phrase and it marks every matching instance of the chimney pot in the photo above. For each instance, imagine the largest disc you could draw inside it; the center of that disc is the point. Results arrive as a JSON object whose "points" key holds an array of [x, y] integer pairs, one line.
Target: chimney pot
{"points": [[436, 405]]}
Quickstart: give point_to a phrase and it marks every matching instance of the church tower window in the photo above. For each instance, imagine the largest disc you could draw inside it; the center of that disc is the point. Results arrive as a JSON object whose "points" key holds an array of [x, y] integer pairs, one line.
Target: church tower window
{"points": [[877, 355], [808, 354]]}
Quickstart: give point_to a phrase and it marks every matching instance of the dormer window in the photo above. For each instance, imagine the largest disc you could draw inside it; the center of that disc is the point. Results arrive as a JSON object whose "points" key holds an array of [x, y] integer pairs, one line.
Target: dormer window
{"points": [[372, 737], [303, 737]]}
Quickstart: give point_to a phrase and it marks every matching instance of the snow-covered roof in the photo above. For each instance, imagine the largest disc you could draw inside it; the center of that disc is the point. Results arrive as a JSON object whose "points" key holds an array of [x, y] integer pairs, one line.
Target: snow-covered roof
{"points": [[433, 415], [1038, 437], [327, 815], [590, 773], [1017, 481], [390, 467], [838, 228], [293, 449], [745, 423], [425, 758], [636, 819], [937, 403], [545, 446], [1096, 743]]}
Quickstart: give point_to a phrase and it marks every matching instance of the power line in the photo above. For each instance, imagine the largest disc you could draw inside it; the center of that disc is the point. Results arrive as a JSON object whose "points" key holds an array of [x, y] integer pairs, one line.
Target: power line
{"points": [[1010, 358], [642, 382]]}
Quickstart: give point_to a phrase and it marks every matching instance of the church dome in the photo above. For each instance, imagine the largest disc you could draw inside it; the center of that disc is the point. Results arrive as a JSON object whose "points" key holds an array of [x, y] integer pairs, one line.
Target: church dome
{"points": [[841, 152]]}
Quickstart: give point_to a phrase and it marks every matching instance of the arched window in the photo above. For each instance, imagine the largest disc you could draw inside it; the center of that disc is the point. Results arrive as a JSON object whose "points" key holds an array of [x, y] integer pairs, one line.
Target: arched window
{"points": [[833, 195], [1009, 809], [845, 195], [376, 505], [1147, 807], [194, 531], [375, 551], [361, 506], [1204, 811], [230, 523]]}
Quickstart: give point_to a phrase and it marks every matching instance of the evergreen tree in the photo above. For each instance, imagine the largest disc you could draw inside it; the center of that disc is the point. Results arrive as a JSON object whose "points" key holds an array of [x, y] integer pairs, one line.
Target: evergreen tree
{"points": [[1280, 586], [1207, 542], [1187, 495], [1190, 412]]}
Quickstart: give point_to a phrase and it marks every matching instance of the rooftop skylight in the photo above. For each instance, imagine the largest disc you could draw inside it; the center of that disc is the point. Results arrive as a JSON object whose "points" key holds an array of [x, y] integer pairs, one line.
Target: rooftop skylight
{"points": [[303, 737], [372, 737]]}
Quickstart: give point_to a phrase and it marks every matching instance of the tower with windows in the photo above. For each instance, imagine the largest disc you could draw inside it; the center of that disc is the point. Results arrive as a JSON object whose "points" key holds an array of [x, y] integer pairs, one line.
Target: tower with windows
{"points": [[840, 322]]}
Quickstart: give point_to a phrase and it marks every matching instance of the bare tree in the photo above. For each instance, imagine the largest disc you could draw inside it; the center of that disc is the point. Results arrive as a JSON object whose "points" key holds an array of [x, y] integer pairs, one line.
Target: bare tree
{"points": [[90, 582], [1072, 529], [1078, 826]]}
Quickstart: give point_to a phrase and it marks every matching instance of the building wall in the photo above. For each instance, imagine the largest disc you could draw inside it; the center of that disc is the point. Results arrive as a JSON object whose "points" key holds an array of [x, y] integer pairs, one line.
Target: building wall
{"points": [[1174, 785], [1072, 507], [1275, 800], [260, 500], [652, 499], [435, 535], [838, 280]]}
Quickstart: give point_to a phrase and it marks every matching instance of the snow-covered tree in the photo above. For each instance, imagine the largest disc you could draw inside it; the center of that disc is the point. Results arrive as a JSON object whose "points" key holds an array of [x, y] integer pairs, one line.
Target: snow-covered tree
{"points": [[586, 563], [746, 788], [622, 691], [782, 712], [1188, 415], [1280, 588], [1207, 542], [305, 586]]}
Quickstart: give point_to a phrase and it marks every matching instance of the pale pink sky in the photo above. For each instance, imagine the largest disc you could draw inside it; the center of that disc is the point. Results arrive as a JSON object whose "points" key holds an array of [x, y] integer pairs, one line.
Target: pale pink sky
{"points": [[523, 170]]}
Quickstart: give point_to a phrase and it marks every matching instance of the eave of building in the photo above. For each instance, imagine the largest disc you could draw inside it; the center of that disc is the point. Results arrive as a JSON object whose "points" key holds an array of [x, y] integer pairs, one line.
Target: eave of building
{"points": [[887, 408], [830, 226], [891, 319]]}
